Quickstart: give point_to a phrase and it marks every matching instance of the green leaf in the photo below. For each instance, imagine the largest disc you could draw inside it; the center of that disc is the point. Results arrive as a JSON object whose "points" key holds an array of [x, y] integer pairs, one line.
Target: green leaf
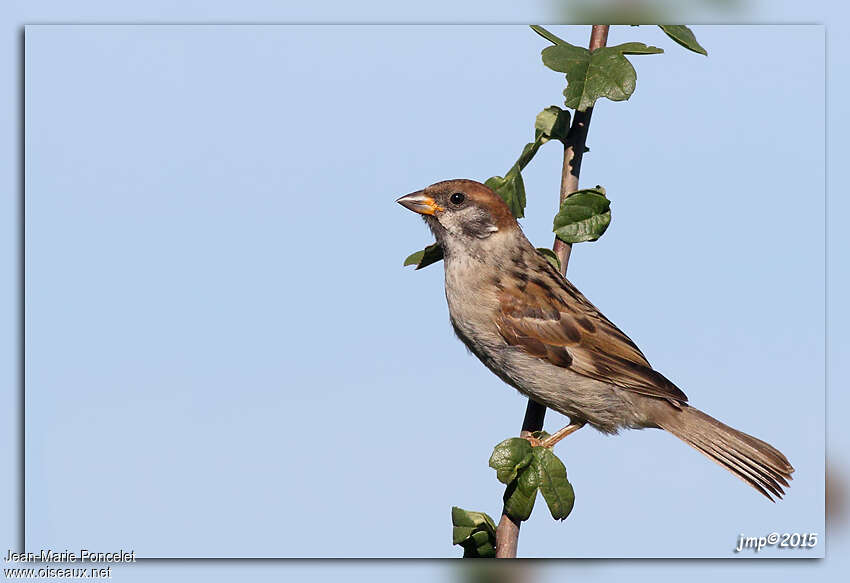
{"points": [[553, 122], [584, 216], [511, 460], [511, 189], [475, 532], [574, 61], [414, 258], [633, 48], [431, 254], [684, 36], [461, 533], [553, 483], [470, 519], [546, 34], [605, 72], [521, 493], [509, 457], [550, 257], [482, 546], [528, 152]]}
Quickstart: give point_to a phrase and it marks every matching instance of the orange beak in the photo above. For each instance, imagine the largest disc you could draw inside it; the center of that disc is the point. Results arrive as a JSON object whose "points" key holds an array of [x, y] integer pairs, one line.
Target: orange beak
{"points": [[418, 202]]}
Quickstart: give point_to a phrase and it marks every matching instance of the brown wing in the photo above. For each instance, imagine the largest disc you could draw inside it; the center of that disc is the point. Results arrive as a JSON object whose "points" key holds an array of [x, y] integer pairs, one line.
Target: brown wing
{"points": [[549, 318]]}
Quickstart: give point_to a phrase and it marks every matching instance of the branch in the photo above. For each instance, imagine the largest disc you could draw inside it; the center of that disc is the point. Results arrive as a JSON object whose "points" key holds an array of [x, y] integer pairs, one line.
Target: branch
{"points": [[507, 533], [574, 149]]}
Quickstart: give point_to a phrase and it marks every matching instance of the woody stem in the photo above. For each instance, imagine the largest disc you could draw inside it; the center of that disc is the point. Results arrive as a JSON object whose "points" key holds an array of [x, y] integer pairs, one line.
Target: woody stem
{"points": [[507, 533]]}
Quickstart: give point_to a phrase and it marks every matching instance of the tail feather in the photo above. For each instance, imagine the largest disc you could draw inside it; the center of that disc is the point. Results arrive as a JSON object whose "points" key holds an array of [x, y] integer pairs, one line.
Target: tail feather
{"points": [[758, 463]]}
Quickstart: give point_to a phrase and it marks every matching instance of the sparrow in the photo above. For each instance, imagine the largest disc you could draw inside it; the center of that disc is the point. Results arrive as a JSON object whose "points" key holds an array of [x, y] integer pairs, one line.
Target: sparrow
{"points": [[531, 327]]}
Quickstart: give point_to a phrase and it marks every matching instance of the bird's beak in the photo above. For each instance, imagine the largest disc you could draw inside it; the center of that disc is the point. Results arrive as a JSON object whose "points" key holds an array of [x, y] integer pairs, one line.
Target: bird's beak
{"points": [[418, 202]]}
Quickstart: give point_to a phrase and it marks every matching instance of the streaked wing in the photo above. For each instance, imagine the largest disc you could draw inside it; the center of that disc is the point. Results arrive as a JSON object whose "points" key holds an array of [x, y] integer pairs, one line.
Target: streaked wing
{"points": [[548, 317]]}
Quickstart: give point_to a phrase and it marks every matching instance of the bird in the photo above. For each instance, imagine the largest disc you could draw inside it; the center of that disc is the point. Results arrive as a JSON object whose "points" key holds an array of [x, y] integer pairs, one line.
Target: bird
{"points": [[534, 329]]}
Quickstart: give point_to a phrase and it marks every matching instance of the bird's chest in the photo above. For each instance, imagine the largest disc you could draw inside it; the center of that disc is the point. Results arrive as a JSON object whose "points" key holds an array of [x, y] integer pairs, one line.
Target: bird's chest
{"points": [[472, 301], [473, 306]]}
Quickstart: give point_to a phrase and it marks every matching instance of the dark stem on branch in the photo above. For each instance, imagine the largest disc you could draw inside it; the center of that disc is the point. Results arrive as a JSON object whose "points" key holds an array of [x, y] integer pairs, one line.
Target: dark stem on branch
{"points": [[507, 533]]}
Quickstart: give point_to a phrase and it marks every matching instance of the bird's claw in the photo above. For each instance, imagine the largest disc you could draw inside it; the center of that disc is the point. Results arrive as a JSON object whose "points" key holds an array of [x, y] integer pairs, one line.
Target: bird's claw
{"points": [[534, 441]]}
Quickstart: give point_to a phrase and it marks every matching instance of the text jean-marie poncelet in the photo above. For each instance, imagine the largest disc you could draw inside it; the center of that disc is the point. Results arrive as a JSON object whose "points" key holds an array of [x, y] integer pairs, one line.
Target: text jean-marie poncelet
{"points": [[66, 556]]}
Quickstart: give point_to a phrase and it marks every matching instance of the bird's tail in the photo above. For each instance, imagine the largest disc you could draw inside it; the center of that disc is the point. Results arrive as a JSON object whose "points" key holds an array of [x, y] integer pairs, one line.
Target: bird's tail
{"points": [[758, 463]]}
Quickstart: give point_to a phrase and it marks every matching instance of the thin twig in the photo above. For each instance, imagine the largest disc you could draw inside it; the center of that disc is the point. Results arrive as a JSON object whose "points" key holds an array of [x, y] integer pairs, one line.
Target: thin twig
{"points": [[574, 149], [507, 533]]}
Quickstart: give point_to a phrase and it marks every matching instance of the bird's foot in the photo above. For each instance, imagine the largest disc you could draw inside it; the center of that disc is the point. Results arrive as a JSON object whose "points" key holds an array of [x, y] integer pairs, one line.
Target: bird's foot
{"points": [[561, 434], [534, 441]]}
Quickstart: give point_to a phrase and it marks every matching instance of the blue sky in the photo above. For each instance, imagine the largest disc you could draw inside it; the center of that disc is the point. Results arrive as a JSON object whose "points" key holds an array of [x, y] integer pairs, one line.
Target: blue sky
{"points": [[272, 375]]}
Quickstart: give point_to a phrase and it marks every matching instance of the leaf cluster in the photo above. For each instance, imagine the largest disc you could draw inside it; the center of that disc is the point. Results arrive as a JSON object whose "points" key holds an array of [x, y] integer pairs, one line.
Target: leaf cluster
{"points": [[584, 216], [527, 469], [475, 532], [604, 72]]}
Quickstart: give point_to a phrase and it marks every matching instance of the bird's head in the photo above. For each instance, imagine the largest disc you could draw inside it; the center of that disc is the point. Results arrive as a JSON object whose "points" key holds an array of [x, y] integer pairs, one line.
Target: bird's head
{"points": [[462, 214]]}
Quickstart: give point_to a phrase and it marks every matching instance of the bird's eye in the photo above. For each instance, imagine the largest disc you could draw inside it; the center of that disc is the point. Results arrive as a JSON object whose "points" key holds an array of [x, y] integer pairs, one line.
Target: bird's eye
{"points": [[457, 198]]}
